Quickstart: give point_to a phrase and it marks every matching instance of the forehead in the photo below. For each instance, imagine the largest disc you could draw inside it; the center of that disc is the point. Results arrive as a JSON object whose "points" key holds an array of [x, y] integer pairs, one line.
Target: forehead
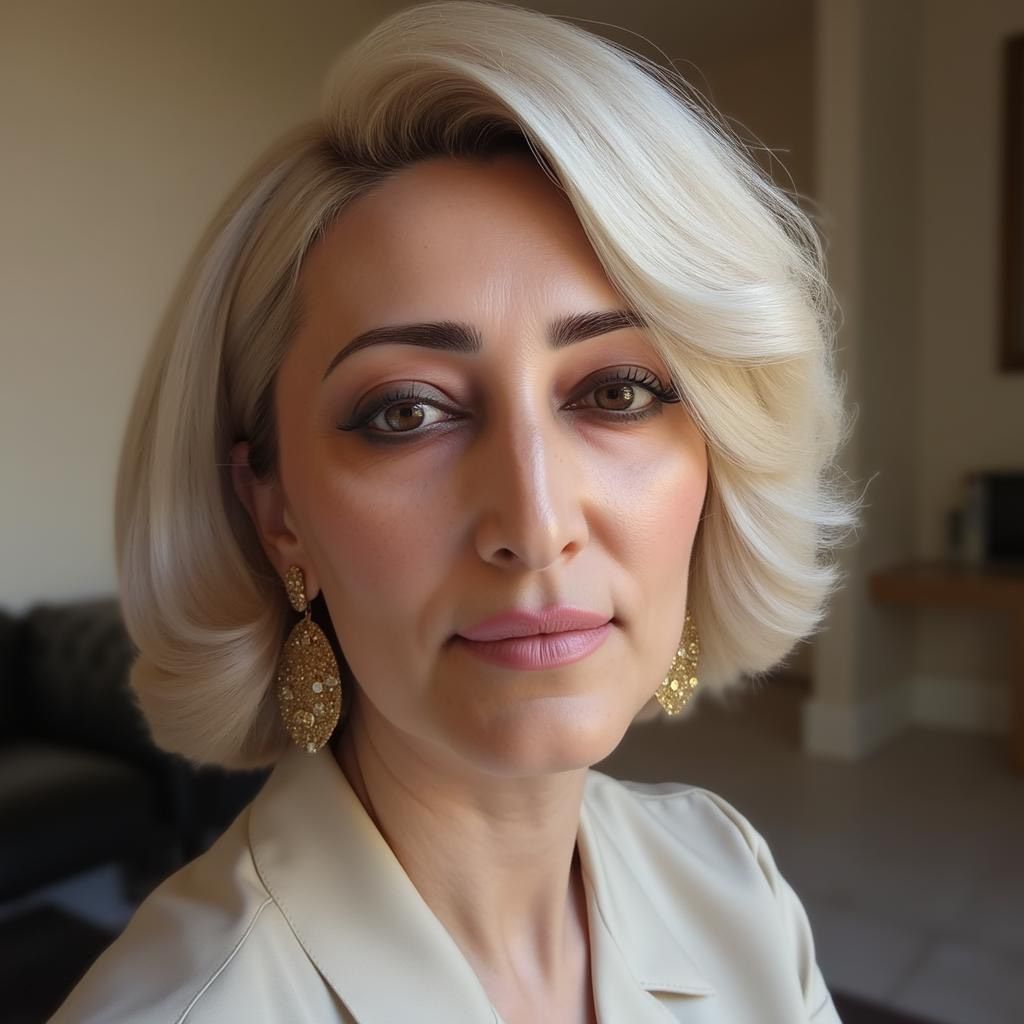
{"points": [[451, 231]]}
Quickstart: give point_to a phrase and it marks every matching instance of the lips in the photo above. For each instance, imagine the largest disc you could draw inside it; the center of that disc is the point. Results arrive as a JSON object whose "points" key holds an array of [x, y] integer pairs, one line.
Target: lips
{"points": [[540, 651], [519, 623]]}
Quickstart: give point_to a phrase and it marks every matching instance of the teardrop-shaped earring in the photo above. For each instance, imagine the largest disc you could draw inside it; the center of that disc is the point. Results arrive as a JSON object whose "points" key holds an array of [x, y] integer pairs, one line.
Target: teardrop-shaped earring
{"points": [[307, 684], [678, 686]]}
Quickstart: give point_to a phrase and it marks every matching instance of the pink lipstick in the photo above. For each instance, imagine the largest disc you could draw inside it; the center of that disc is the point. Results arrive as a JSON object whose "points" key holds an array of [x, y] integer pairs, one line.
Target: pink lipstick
{"points": [[523, 639], [543, 650]]}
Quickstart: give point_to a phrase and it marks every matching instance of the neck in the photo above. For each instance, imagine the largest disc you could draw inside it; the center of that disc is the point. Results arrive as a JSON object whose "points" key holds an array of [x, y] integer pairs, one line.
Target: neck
{"points": [[494, 857]]}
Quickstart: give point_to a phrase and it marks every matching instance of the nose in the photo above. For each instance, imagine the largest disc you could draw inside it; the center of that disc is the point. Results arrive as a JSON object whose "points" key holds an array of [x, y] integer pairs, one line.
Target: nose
{"points": [[529, 483]]}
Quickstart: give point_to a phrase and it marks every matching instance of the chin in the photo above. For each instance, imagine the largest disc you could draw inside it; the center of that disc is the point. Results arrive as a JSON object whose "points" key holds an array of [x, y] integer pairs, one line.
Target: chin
{"points": [[545, 736]]}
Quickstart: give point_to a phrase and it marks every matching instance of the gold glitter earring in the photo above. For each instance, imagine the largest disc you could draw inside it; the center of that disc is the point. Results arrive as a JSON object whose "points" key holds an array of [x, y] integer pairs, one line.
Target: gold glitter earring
{"points": [[678, 686], [307, 684]]}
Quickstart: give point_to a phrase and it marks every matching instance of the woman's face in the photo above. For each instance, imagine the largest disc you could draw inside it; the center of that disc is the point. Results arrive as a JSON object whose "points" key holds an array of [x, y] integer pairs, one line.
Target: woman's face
{"points": [[513, 478]]}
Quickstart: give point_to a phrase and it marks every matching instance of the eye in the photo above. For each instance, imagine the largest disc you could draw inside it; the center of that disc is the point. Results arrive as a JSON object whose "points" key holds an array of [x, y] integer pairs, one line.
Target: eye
{"points": [[624, 386], [406, 410], [400, 411]]}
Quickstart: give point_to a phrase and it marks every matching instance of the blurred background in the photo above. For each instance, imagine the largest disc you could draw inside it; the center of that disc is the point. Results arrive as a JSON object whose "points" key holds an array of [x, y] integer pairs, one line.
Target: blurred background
{"points": [[885, 763]]}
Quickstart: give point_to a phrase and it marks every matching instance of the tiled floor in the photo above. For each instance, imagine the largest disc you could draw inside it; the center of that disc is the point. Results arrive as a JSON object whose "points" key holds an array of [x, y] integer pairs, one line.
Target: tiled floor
{"points": [[910, 863]]}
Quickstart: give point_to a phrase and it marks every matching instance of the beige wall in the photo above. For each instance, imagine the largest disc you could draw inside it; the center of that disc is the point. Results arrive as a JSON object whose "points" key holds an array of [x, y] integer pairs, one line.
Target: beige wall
{"points": [[908, 144], [767, 94], [970, 416], [123, 124]]}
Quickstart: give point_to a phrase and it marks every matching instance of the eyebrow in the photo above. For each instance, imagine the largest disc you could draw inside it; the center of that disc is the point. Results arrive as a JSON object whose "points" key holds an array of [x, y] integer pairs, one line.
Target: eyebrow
{"points": [[452, 336]]}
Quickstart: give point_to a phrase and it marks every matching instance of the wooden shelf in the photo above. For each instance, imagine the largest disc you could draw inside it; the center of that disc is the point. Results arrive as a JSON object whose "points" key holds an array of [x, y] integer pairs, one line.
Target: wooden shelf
{"points": [[948, 583]]}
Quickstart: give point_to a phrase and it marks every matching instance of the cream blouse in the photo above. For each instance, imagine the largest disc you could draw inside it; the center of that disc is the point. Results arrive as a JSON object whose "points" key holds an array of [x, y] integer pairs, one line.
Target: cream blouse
{"points": [[301, 912]]}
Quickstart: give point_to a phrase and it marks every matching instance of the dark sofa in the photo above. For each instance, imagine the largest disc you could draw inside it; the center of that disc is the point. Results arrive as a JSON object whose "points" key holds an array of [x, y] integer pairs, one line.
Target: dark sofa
{"points": [[81, 782]]}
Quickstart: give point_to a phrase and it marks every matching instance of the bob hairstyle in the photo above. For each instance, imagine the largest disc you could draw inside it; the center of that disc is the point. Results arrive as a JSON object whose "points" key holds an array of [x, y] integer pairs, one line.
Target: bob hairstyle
{"points": [[725, 269]]}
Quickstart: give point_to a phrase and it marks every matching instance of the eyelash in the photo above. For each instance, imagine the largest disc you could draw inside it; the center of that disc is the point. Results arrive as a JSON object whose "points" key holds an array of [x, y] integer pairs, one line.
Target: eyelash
{"points": [[634, 375]]}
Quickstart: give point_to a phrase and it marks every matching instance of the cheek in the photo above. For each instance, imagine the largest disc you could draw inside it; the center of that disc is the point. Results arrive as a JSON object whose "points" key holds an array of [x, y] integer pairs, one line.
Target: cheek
{"points": [[658, 501], [382, 549], [656, 528], [382, 542]]}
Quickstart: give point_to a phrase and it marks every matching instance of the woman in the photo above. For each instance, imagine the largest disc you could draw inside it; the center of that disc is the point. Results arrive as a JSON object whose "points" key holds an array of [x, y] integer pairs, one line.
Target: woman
{"points": [[512, 377]]}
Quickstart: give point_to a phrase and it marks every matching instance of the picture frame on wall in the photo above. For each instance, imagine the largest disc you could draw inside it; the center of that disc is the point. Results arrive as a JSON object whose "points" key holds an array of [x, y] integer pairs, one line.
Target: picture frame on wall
{"points": [[1012, 347]]}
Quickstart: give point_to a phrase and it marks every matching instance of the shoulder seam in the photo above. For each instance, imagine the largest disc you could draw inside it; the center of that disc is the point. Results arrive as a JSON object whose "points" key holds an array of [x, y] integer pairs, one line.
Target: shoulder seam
{"points": [[721, 807], [216, 974], [728, 812], [690, 790], [739, 822]]}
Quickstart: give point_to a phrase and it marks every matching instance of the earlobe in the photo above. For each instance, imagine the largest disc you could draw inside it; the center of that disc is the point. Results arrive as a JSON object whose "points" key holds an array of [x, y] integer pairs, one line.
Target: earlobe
{"points": [[264, 502]]}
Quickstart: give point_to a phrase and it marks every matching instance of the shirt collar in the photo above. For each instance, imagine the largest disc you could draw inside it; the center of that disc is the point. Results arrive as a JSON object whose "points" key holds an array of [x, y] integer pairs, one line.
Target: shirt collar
{"points": [[615, 856], [397, 961]]}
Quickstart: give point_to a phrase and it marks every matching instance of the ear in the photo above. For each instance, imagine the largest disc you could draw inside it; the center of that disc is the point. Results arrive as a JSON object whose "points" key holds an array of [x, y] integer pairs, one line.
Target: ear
{"points": [[264, 501]]}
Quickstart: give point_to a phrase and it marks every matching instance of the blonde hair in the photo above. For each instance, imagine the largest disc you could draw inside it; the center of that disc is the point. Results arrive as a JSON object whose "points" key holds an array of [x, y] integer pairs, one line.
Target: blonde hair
{"points": [[722, 264]]}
